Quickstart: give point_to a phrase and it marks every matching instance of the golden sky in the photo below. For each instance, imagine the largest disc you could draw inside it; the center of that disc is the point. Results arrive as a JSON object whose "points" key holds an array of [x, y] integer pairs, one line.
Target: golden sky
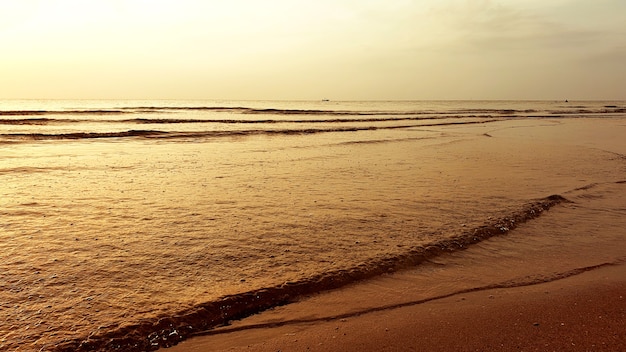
{"points": [[313, 49]]}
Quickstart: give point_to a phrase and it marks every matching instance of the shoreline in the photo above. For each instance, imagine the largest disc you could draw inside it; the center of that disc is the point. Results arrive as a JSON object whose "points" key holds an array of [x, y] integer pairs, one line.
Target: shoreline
{"points": [[583, 312], [544, 286], [170, 331]]}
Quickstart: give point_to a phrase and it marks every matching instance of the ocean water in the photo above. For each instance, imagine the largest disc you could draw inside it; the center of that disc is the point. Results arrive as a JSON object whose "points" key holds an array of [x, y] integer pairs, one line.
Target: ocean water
{"points": [[127, 224]]}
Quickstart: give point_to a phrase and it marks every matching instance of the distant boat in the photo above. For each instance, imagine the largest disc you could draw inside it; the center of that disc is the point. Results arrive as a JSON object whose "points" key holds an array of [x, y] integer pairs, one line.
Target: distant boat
{"points": [[325, 100]]}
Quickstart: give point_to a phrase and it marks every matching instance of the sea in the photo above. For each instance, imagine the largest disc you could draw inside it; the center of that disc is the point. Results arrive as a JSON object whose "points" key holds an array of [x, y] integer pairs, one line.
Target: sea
{"points": [[131, 224]]}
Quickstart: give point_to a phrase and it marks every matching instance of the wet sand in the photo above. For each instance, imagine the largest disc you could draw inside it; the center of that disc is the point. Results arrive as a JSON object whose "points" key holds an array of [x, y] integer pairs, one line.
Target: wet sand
{"points": [[584, 312], [544, 286], [548, 285]]}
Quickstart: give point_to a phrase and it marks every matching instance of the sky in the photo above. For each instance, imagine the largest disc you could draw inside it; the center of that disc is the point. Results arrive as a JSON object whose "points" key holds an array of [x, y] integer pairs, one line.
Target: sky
{"points": [[313, 49]]}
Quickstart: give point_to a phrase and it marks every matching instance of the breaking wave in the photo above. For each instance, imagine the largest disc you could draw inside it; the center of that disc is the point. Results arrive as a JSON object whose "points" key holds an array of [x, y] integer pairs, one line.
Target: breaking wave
{"points": [[169, 330], [107, 122], [276, 111], [156, 134]]}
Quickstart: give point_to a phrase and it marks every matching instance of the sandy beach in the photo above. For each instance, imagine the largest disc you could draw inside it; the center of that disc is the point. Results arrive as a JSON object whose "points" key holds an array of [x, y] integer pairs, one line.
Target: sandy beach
{"points": [[537, 288], [542, 287], [584, 312], [198, 176], [400, 224]]}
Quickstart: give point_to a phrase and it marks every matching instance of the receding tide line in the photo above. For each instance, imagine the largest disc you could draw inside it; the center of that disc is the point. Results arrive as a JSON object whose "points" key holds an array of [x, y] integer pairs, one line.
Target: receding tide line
{"points": [[167, 331], [527, 281]]}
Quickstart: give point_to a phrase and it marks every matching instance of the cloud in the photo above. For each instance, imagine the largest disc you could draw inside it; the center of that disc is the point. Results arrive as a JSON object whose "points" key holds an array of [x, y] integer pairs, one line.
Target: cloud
{"points": [[365, 49], [511, 27]]}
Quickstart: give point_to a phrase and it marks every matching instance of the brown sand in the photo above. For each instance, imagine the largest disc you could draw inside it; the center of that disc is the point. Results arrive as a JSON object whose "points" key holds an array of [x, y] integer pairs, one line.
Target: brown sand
{"points": [[548, 285], [583, 312]]}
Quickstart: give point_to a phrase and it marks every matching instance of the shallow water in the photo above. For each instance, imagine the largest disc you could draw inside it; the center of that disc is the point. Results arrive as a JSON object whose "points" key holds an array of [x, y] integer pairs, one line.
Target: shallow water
{"points": [[104, 228], [562, 242]]}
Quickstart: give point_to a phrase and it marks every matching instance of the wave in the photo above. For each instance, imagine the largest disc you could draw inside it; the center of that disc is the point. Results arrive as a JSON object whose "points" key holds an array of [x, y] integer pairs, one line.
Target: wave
{"points": [[53, 121], [272, 121], [40, 121], [608, 110], [156, 134], [61, 112], [167, 331], [522, 282], [276, 111], [239, 110], [82, 135], [27, 170]]}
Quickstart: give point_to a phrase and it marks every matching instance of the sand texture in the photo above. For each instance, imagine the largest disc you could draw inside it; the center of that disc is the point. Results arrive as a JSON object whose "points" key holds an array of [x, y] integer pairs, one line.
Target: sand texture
{"points": [[585, 312]]}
